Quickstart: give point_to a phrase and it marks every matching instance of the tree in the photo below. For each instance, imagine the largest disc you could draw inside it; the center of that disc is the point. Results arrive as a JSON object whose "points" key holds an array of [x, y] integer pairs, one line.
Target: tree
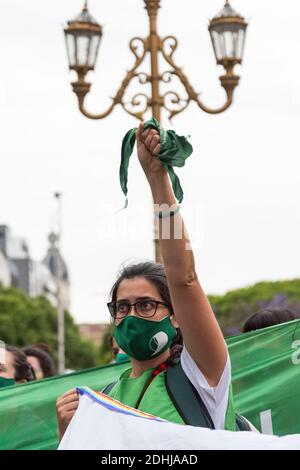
{"points": [[105, 351], [233, 308], [25, 320]]}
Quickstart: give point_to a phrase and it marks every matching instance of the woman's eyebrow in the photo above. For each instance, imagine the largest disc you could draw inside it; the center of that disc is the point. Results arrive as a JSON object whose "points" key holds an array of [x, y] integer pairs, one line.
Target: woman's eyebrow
{"points": [[145, 297]]}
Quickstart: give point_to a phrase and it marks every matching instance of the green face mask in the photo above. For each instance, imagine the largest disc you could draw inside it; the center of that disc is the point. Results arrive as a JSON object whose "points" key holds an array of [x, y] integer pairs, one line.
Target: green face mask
{"points": [[121, 357], [144, 339], [4, 382]]}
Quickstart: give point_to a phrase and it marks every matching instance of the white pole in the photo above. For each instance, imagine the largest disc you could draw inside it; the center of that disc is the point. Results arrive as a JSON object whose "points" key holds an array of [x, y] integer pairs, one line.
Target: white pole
{"points": [[60, 308]]}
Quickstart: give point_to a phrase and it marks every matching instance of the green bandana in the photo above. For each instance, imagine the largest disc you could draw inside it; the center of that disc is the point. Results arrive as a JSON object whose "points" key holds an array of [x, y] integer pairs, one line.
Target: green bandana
{"points": [[174, 151], [144, 339]]}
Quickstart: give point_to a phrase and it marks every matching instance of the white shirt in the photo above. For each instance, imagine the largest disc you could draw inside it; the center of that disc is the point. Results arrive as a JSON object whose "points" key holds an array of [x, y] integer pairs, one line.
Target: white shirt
{"points": [[214, 398]]}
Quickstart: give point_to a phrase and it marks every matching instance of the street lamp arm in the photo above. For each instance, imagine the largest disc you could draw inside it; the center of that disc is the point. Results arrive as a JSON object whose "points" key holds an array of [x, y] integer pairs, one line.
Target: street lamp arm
{"points": [[81, 87], [228, 81], [91, 115]]}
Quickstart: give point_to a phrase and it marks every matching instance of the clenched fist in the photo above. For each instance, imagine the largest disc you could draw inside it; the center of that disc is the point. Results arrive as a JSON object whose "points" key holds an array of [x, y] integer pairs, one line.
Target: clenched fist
{"points": [[66, 405], [148, 147]]}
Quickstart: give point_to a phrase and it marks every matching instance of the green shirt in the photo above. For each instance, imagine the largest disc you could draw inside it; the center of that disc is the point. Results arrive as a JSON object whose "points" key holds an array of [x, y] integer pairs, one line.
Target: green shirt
{"points": [[146, 394], [150, 395]]}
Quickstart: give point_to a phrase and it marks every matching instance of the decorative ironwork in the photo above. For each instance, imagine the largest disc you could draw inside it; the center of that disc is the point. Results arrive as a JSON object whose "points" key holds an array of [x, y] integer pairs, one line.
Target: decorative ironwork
{"points": [[174, 99], [154, 46], [137, 101], [227, 81]]}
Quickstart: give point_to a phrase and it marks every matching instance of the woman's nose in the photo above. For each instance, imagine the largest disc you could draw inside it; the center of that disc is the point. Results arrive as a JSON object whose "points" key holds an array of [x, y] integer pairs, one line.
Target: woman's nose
{"points": [[132, 311]]}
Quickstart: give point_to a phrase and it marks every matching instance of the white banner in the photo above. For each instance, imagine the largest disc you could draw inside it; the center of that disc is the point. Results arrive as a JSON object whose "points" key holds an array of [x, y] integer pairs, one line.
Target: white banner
{"points": [[101, 423]]}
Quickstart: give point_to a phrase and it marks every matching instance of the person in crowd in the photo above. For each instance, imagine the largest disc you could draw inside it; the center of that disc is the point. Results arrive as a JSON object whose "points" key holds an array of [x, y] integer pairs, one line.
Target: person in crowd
{"points": [[40, 361], [268, 317], [43, 346], [152, 306], [15, 369], [119, 355]]}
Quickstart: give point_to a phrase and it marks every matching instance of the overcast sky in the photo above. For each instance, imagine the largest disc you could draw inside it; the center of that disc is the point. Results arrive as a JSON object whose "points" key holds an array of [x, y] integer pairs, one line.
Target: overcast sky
{"points": [[241, 184]]}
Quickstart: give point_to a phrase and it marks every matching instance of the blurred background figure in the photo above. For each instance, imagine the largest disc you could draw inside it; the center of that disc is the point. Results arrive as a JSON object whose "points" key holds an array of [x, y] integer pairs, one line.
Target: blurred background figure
{"points": [[40, 360], [43, 347], [119, 355], [269, 317], [15, 369]]}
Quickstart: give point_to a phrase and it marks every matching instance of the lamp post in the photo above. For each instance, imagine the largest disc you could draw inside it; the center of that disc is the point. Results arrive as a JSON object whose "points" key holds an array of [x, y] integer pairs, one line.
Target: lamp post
{"points": [[83, 35], [55, 239]]}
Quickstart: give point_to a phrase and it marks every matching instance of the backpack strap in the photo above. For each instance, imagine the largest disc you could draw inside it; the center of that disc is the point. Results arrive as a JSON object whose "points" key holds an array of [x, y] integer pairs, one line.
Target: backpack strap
{"points": [[108, 388], [188, 402], [241, 423], [186, 399]]}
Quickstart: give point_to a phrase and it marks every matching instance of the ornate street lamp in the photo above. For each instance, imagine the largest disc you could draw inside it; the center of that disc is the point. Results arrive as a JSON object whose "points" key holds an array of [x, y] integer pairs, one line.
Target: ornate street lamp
{"points": [[83, 36], [228, 33]]}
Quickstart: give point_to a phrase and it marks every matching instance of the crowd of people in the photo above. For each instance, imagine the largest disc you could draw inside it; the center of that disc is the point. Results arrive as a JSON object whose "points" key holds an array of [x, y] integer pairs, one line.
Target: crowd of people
{"points": [[34, 362], [25, 365]]}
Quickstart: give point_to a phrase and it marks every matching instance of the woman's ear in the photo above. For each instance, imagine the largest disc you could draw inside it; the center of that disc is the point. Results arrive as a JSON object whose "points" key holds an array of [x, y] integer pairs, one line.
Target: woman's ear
{"points": [[174, 321]]}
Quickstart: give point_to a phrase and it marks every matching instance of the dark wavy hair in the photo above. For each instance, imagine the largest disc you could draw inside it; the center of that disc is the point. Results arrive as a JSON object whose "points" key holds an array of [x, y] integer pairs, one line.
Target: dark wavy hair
{"points": [[45, 360], [268, 317], [23, 370], [154, 273]]}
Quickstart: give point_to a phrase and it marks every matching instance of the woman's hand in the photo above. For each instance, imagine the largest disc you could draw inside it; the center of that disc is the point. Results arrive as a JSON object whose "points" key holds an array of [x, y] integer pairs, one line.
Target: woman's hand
{"points": [[148, 147], [66, 405]]}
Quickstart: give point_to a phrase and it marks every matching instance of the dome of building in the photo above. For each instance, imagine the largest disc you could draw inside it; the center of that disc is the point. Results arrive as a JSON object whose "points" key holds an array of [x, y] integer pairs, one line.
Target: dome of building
{"points": [[54, 260]]}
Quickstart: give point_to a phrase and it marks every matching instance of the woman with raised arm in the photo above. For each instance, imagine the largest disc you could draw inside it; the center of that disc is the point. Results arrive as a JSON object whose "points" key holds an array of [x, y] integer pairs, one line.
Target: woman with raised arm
{"points": [[152, 306]]}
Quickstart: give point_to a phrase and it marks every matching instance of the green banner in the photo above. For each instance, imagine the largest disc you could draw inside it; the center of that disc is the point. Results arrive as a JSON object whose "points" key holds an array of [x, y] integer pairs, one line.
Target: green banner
{"points": [[266, 386], [266, 377], [28, 414]]}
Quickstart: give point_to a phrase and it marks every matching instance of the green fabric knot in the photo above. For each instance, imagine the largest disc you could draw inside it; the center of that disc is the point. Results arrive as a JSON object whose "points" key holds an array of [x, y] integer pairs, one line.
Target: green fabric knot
{"points": [[174, 151]]}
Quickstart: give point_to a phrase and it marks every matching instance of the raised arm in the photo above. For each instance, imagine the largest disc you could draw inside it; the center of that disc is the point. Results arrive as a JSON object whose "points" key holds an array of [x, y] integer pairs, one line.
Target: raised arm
{"points": [[200, 330]]}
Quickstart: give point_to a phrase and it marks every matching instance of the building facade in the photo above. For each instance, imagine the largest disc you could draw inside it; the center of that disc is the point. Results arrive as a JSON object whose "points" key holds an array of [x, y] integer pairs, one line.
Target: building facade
{"points": [[48, 277], [94, 332]]}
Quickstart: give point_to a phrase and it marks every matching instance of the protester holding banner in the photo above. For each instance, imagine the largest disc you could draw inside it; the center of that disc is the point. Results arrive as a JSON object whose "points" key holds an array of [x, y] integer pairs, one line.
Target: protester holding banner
{"points": [[150, 303]]}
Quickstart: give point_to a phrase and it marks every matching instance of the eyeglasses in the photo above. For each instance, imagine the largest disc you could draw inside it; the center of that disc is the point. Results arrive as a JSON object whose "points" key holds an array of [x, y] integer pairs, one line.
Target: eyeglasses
{"points": [[143, 308]]}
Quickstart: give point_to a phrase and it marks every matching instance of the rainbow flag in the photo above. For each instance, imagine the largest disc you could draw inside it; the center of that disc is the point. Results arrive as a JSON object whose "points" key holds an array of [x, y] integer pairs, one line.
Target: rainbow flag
{"points": [[115, 405]]}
